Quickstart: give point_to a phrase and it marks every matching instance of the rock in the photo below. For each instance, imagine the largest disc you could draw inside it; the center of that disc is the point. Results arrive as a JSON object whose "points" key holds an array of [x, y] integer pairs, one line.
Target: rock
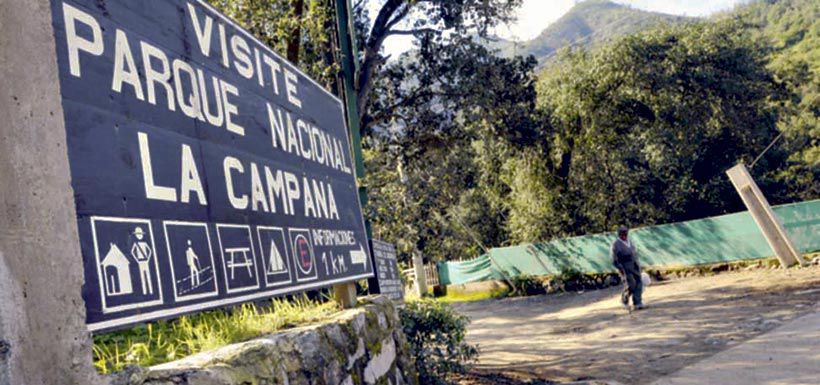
{"points": [[381, 363], [131, 375], [358, 346], [719, 267]]}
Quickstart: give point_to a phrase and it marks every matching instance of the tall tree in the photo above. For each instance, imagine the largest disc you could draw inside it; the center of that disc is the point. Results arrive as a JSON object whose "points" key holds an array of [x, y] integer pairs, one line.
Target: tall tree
{"points": [[646, 127], [432, 24]]}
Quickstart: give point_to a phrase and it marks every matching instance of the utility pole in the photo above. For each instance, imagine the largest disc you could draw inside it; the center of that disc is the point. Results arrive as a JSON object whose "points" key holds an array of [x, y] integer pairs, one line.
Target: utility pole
{"points": [[345, 294]]}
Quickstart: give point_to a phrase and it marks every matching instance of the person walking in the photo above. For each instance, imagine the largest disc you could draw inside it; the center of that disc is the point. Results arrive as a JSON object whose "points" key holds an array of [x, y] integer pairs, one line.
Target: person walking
{"points": [[625, 259], [193, 265]]}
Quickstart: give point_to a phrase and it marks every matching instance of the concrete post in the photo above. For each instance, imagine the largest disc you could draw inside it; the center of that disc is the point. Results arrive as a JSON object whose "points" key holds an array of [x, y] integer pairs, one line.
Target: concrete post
{"points": [[763, 215], [43, 337], [345, 295], [421, 276]]}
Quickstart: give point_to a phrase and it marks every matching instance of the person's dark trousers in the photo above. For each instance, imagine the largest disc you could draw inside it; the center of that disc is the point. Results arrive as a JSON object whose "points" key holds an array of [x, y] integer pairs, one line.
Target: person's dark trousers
{"points": [[633, 286]]}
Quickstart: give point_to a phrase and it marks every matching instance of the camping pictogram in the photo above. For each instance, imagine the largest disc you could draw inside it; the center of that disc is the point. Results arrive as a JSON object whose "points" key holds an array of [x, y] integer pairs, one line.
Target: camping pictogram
{"points": [[273, 248], [276, 263]]}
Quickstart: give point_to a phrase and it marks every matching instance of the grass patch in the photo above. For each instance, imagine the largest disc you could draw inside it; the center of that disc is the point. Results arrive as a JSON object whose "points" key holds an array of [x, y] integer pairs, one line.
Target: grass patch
{"points": [[164, 341], [473, 296]]}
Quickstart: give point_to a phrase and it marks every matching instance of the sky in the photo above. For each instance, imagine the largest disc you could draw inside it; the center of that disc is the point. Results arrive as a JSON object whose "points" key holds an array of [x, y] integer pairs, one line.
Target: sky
{"points": [[535, 15]]}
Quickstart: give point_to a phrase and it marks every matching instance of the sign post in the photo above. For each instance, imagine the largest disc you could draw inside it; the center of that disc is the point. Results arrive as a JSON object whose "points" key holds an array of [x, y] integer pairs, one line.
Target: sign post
{"points": [[763, 215], [349, 65], [207, 170]]}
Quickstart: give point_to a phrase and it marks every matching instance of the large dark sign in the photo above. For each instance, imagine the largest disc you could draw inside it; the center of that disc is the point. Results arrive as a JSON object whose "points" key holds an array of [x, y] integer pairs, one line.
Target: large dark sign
{"points": [[206, 169], [387, 279]]}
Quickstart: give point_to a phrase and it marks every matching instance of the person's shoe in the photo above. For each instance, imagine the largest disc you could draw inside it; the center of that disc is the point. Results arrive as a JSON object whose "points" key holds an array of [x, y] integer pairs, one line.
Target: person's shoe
{"points": [[639, 307]]}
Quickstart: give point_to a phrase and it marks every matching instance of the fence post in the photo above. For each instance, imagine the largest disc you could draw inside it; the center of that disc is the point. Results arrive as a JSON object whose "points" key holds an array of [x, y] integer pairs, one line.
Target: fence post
{"points": [[763, 215], [421, 276]]}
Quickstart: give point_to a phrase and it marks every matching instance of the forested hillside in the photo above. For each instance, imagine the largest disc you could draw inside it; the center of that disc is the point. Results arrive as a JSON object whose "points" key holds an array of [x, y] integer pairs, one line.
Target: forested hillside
{"points": [[587, 24], [638, 131], [790, 30], [467, 149]]}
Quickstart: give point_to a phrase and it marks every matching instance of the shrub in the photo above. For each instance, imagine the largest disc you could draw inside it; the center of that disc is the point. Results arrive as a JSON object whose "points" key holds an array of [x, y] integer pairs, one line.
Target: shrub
{"points": [[435, 335], [525, 285]]}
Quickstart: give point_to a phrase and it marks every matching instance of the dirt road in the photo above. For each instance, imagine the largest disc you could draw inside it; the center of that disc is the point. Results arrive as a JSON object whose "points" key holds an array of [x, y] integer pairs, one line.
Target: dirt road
{"points": [[590, 336]]}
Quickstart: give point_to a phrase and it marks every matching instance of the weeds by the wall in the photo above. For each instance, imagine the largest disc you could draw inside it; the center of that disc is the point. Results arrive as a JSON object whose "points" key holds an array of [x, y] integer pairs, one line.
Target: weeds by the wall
{"points": [[164, 341]]}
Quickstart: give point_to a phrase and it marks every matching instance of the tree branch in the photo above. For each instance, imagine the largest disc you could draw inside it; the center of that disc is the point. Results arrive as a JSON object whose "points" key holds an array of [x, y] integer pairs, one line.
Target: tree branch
{"points": [[409, 31]]}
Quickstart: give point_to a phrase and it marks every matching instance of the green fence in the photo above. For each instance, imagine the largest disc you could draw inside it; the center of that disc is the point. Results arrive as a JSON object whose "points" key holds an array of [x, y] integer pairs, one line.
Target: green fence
{"points": [[716, 239]]}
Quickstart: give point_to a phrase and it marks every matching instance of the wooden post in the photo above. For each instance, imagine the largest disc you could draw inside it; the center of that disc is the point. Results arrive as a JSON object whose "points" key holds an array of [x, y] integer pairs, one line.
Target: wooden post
{"points": [[763, 215], [421, 276], [345, 295]]}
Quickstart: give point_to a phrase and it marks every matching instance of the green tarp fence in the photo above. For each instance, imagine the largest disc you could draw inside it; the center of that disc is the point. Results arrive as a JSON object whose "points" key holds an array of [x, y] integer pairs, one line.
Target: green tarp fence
{"points": [[716, 239]]}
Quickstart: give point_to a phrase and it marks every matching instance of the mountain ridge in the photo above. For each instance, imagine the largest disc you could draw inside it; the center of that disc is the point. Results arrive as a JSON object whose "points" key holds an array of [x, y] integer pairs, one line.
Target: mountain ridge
{"points": [[588, 23]]}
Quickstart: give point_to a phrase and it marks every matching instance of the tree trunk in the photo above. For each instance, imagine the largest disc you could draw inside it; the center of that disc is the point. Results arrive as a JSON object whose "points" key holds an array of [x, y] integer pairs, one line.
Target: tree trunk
{"points": [[295, 36]]}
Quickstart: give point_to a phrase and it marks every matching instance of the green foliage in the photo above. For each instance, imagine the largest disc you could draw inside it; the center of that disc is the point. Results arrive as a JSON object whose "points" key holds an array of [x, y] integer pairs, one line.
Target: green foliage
{"points": [[791, 28], [278, 23], [525, 284], [164, 341], [435, 335], [645, 127]]}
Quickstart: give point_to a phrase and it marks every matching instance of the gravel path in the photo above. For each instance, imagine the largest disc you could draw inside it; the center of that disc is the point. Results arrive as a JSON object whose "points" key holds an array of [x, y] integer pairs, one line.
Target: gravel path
{"points": [[589, 336]]}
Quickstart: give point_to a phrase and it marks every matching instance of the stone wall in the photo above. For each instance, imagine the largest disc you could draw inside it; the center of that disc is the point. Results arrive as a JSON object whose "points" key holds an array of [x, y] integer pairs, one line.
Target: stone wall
{"points": [[361, 346]]}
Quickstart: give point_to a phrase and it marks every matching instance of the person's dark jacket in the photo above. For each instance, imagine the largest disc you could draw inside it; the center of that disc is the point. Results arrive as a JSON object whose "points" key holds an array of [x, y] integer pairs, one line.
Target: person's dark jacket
{"points": [[624, 256]]}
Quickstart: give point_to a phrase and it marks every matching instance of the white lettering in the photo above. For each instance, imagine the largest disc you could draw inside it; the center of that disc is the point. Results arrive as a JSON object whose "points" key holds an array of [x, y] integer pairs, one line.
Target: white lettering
{"points": [[125, 70], [242, 53], [292, 188], [153, 76], [310, 211], [203, 35], [303, 127], [223, 44], [190, 104], [75, 43], [152, 191], [190, 181], [230, 163], [274, 68], [257, 192], [276, 188], [290, 86], [217, 119], [230, 109]]}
